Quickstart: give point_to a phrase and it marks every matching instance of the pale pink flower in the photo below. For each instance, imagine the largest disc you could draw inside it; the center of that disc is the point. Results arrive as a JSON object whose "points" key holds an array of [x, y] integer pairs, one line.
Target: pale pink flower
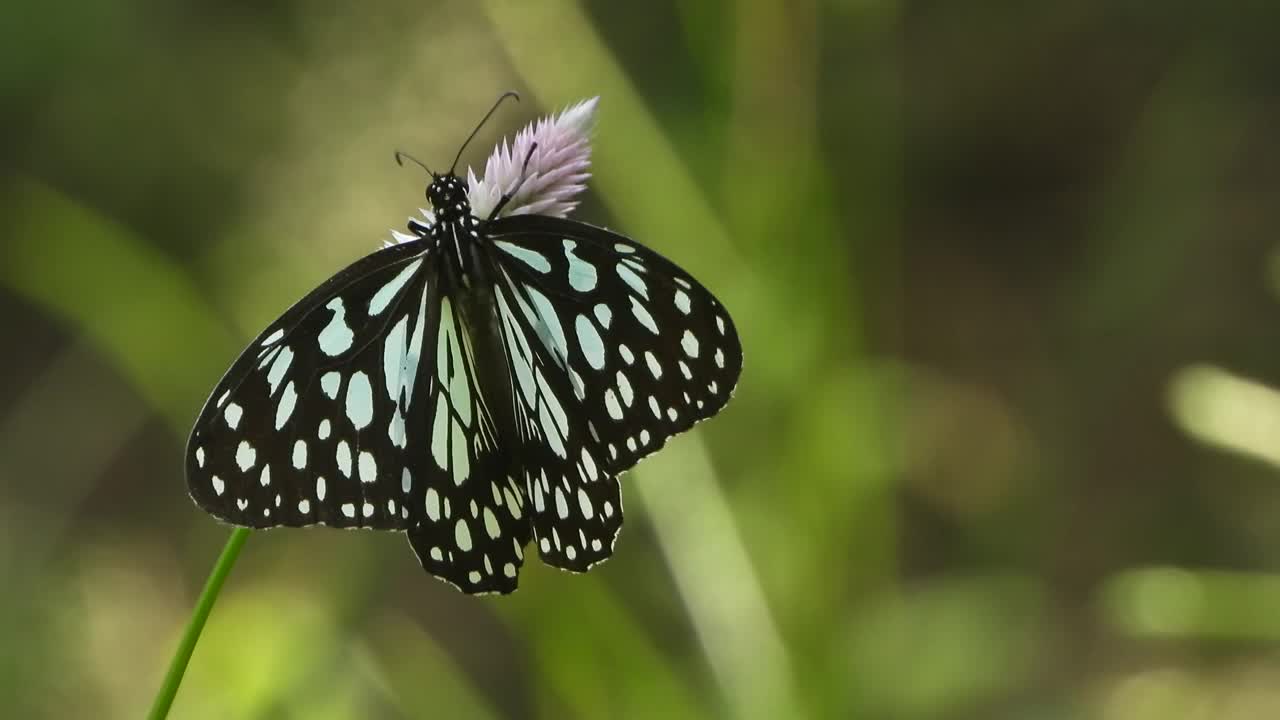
{"points": [[557, 171]]}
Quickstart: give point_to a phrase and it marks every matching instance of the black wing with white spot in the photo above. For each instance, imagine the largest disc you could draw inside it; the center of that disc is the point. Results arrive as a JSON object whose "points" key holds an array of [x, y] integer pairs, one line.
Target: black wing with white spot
{"points": [[360, 407], [647, 350], [576, 502], [612, 350]]}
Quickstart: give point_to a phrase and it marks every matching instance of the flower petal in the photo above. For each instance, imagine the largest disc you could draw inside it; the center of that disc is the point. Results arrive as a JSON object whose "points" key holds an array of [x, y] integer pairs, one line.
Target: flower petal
{"points": [[557, 171]]}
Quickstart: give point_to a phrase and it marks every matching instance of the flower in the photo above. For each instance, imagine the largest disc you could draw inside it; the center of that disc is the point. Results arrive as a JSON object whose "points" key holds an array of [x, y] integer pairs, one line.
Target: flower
{"points": [[557, 170]]}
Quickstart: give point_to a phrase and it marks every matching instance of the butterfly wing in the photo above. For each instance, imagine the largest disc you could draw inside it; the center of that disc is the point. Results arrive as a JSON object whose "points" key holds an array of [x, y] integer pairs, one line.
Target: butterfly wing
{"points": [[359, 407], [620, 343], [650, 350], [575, 502]]}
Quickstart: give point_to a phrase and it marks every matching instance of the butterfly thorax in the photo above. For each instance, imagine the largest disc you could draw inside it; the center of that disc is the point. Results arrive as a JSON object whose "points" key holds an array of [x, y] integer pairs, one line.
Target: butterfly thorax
{"points": [[448, 196], [455, 234]]}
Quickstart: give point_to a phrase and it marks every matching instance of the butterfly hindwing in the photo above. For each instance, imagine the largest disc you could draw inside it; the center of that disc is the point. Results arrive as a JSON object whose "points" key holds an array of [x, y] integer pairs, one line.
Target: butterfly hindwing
{"points": [[476, 523], [575, 502]]}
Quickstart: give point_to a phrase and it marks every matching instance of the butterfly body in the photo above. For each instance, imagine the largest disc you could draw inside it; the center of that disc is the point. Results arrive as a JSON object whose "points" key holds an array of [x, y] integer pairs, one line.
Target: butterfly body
{"points": [[478, 386]]}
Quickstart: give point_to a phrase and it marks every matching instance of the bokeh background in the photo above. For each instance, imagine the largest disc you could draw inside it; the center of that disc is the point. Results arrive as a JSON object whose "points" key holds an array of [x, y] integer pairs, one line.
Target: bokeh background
{"points": [[1007, 441]]}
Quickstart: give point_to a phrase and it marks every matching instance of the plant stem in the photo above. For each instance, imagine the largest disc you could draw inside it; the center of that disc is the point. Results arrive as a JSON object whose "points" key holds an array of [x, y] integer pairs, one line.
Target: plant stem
{"points": [[178, 666]]}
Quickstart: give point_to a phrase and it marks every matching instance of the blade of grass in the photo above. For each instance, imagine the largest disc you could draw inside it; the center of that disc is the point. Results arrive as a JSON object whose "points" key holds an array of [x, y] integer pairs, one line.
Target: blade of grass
{"points": [[209, 595]]}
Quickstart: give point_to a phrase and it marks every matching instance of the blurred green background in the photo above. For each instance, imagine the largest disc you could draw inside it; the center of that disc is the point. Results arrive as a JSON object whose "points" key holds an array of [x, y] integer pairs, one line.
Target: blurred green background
{"points": [[1006, 444]]}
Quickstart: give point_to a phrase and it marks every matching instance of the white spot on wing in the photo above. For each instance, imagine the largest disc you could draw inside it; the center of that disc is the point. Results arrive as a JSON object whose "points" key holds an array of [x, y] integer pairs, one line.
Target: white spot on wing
{"points": [[387, 292], [439, 433], [643, 315], [654, 367], [562, 505], [246, 456], [336, 337], [433, 504], [589, 341], [359, 400], [329, 383], [368, 467], [462, 535], [461, 460], [611, 404], [624, 388], [279, 367], [582, 274], [682, 301], [288, 400], [343, 456], [218, 485], [603, 314], [300, 454], [533, 259], [232, 415], [689, 343], [393, 358], [630, 277]]}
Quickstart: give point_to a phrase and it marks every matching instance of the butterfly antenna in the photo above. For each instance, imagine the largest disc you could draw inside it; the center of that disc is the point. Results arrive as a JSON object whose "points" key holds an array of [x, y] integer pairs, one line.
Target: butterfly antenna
{"points": [[483, 120], [401, 157]]}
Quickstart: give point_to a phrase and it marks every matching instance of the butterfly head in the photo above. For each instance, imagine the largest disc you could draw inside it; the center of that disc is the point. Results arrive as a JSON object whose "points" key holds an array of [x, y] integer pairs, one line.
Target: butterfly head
{"points": [[448, 196]]}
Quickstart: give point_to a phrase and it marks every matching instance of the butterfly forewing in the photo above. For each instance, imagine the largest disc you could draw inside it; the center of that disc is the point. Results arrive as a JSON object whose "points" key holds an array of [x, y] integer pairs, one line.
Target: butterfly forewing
{"points": [[285, 436], [647, 350]]}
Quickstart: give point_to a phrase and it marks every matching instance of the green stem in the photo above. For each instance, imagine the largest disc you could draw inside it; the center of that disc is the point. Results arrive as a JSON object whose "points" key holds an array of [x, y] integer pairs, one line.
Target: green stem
{"points": [[178, 666]]}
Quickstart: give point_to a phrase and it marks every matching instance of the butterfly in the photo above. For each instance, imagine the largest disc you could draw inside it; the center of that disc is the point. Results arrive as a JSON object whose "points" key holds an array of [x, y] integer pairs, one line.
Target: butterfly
{"points": [[479, 386]]}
